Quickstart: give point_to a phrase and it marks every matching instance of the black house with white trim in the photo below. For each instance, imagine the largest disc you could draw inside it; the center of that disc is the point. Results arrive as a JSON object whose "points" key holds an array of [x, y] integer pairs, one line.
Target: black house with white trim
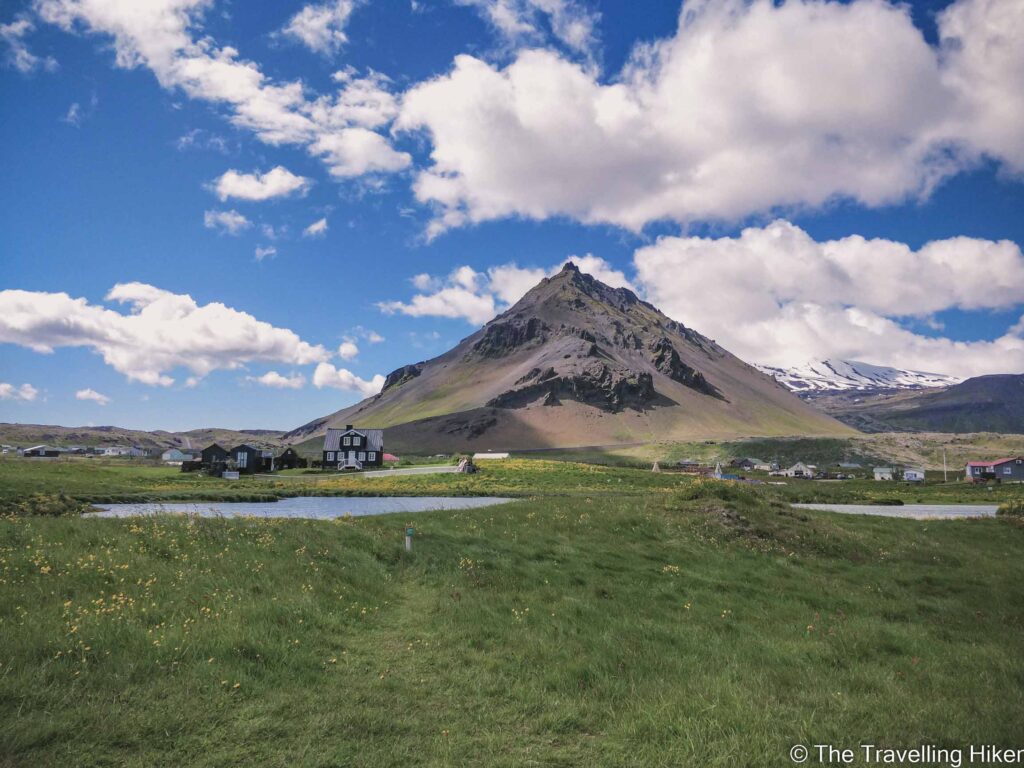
{"points": [[353, 448]]}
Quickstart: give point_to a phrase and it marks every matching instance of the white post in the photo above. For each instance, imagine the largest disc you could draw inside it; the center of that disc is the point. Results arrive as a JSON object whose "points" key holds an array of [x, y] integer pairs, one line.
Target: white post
{"points": [[408, 539], [945, 479]]}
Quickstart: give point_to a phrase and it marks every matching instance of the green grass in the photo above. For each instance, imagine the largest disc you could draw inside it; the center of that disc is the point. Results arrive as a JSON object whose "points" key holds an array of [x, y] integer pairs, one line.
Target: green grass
{"points": [[708, 627], [611, 616]]}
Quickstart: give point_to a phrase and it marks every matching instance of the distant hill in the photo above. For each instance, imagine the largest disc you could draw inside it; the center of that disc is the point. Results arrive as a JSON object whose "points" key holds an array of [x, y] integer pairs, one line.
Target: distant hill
{"points": [[853, 375], [576, 362], [982, 404], [25, 435]]}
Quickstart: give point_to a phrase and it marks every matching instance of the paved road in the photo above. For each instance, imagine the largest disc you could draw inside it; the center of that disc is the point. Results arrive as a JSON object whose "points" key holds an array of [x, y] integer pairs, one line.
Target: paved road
{"points": [[446, 469], [912, 511]]}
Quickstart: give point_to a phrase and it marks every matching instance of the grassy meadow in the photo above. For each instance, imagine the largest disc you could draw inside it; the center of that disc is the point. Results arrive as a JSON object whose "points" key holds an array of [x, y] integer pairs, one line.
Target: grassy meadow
{"points": [[609, 616]]}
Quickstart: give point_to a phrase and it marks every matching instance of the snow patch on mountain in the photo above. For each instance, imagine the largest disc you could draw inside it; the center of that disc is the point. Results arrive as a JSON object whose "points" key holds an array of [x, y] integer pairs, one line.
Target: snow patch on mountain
{"points": [[853, 375]]}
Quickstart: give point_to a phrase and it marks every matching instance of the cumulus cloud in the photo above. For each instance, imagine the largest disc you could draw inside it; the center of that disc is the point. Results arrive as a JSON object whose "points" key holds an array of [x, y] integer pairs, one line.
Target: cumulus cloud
{"points": [[230, 222], [522, 21], [774, 295], [277, 182], [321, 27], [279, 381], [326, 375], [162, 332], [265, 252], [12, 36], [478, 296], [25, 392], [348, 349], [317, 229], [92, 395], [166, 37], [750, 107]]}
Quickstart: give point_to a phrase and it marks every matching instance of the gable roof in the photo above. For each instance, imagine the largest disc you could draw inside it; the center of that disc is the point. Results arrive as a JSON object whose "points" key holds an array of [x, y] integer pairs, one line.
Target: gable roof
{"points": [[993, 463], [374, 438]]}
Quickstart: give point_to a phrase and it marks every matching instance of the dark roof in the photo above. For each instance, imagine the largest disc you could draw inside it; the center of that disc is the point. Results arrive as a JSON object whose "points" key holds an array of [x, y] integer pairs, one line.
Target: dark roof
{"points": [[374, 438]]}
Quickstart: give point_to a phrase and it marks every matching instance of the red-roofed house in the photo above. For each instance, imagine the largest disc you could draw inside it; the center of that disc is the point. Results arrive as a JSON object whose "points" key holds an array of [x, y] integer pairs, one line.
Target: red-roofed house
{"points": [[1009, 470]]}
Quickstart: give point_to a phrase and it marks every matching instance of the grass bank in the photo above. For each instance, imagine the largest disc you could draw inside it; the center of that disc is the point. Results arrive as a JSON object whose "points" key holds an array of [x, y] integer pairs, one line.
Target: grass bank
{"points": [[705, 626]]}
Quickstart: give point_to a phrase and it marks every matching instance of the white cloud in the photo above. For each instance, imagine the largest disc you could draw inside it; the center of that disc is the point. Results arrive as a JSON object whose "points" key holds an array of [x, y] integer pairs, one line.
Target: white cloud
{"points": [[521, 21], [25, 392], [478, 296], [231, 222], [317, 229], [774, 295], [164, 331], [348, 349], [373, 337], [92, 395], [321, 27], [750, 107], [277, 182], [278, 381], [166, 37], [265, 252], [12, 35], [326, 375]]}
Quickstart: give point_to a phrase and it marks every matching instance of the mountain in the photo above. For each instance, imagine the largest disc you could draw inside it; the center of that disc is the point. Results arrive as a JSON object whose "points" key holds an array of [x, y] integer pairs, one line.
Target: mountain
{"points": [[25, 435], [576, 362], [853, 375], [982, 404]]}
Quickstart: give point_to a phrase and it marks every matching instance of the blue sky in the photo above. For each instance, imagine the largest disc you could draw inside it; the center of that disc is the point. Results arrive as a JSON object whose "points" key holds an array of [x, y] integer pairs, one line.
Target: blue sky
{"points": [[793, 198]]}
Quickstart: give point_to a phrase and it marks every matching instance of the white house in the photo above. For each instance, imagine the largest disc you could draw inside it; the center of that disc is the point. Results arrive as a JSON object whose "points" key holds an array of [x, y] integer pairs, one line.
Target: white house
{"points": [[173, 455], [800, 470], [884, 473], [913, 475]]}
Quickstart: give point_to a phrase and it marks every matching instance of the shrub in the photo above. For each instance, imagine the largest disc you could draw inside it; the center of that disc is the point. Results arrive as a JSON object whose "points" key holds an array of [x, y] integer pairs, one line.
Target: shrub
{"points": [[1014, 508]]}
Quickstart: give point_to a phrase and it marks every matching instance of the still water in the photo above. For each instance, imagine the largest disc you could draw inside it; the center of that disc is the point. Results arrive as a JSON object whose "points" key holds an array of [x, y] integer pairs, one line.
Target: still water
{"points": [[306, 507]]}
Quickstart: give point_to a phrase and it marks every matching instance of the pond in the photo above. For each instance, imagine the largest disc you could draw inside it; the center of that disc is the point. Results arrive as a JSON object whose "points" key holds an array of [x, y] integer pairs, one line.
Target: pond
{"points": [[305, 507], [911, 511]]}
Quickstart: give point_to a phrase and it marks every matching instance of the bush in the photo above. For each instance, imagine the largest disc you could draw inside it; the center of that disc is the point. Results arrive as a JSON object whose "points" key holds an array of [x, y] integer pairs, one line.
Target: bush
{"points": [[47, 505], [1014, 508]]}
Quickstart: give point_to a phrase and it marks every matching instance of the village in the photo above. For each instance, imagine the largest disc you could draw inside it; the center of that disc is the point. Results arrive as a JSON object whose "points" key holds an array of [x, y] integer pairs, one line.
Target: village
{"points": [[355, 449]]}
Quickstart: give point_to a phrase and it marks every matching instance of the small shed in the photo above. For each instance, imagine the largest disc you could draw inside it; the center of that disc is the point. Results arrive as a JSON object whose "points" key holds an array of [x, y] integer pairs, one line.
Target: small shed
{"points": [[884, 473], [289, 459], [913, 475], [41, 452], [213, 454]]}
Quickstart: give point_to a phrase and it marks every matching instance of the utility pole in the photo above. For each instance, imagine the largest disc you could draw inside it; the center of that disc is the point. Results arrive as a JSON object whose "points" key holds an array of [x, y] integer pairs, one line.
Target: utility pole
{"points": [[945, 479]]}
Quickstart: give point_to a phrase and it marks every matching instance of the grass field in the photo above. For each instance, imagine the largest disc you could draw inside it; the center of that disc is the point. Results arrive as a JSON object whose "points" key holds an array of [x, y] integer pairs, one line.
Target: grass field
{"points": [[609, 617]]}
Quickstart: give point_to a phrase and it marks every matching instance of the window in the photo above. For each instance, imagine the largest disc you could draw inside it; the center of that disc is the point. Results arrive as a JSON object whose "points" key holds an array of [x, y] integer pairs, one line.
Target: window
{"points": [[372, 455], [355, 440], [330, 455], [362, 455], [243, 459], [1007, 470], [346, 440]]}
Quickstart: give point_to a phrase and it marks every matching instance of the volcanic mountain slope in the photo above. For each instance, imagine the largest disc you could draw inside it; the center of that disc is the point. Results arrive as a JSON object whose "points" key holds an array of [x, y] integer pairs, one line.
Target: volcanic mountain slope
{"points": [[982, 404], [576, 362]]}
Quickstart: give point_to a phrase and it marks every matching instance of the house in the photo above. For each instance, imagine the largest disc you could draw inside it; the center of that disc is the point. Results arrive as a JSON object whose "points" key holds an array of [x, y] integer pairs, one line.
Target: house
{"points": [[913, 475], [353, 448], [885, 473], [174, 456], [800, 470], [41, 452], [213, 455], [766, 466], [489, 455], [1009, 470], [289, 459], [115, 450], [746, 463], [249, 459]]}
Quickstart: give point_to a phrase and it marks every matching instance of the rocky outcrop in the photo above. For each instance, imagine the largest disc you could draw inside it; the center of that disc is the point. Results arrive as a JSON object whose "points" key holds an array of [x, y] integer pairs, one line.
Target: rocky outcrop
{"points": [[666, 359], [400, 376], [503, 338], [608, 387]]}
